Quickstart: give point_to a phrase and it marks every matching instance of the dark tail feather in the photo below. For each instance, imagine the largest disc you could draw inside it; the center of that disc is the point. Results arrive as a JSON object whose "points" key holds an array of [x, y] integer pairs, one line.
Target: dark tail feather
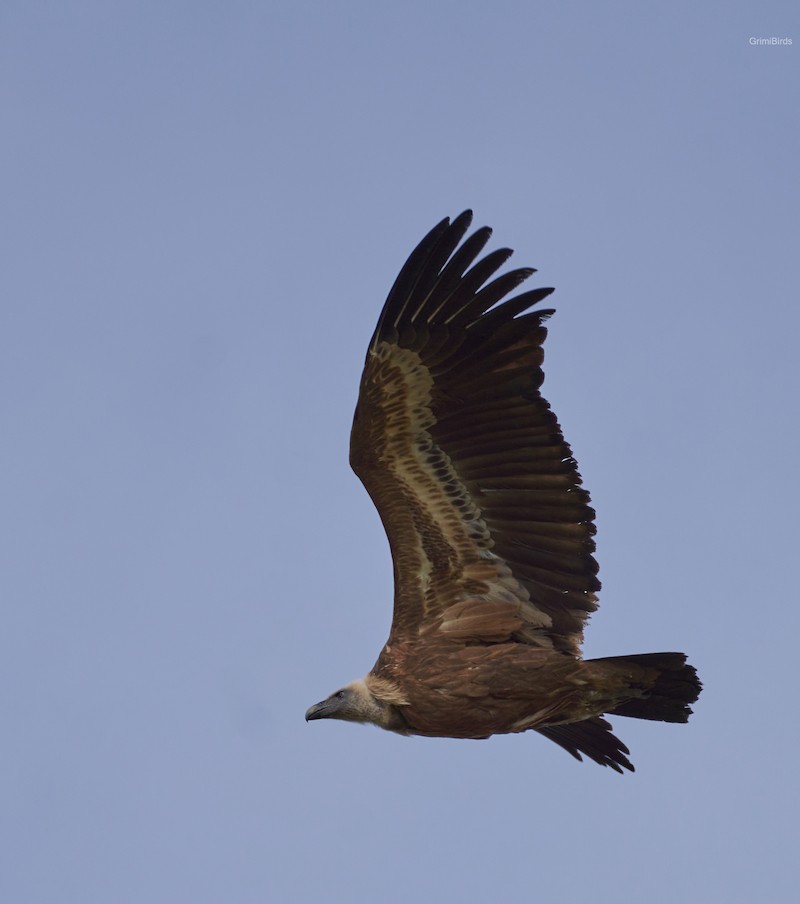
{"points": [[663, 686], [592, 737]]}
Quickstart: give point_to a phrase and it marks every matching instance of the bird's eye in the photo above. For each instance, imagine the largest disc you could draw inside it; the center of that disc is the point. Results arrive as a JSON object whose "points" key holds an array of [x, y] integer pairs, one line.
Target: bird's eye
{"points": [[339, 695]]}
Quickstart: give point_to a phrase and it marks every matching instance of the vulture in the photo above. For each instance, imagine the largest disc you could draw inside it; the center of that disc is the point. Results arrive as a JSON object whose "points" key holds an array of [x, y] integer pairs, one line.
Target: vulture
{"points": [[490, 528]]}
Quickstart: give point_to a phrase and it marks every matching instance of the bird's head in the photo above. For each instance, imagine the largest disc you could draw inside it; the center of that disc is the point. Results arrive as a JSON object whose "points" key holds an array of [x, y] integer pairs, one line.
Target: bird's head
{"points": [[356, 702], [353, 703]]}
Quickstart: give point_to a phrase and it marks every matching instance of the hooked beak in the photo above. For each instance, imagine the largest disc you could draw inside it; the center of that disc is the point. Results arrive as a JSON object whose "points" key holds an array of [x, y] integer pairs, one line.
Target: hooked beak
{"points": [[319, 711]]}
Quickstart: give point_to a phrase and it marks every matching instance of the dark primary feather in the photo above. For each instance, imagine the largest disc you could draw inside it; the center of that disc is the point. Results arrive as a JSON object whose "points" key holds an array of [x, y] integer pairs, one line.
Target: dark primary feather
{"points": [[415, 277], [592, 737]]}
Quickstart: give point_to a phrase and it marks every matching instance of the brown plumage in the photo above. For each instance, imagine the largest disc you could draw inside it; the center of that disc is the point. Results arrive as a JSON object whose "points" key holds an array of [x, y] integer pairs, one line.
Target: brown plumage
{"points": [[490, 529]]}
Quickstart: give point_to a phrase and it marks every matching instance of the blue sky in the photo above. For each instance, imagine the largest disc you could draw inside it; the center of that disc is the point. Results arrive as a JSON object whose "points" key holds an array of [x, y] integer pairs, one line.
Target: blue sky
{"points": [[203, 207]]}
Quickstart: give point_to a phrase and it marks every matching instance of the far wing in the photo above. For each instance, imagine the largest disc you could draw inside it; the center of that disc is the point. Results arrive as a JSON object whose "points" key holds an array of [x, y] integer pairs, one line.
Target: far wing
{"points": [[490, 530]]}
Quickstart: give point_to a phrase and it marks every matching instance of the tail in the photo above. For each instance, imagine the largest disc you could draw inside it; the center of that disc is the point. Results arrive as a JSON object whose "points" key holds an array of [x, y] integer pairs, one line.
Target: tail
{"points": [[658, 686]]}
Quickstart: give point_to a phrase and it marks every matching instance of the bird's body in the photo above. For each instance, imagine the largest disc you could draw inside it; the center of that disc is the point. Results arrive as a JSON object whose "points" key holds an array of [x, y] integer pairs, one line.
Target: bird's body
{"points": [[493, 693], [489, 527]]}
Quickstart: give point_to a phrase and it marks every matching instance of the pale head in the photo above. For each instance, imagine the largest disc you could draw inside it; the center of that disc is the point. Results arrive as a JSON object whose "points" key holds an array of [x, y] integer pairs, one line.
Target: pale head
{"points": [[365, 700]]}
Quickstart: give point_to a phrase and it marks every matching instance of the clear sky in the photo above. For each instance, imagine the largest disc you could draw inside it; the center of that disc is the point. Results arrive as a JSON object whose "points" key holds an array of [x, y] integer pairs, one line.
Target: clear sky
{"points": [[203, 207]]}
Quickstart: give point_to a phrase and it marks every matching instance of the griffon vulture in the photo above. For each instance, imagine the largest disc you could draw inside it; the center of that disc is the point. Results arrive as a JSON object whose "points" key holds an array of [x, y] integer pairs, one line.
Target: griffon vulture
{"points": [[490, 529]]}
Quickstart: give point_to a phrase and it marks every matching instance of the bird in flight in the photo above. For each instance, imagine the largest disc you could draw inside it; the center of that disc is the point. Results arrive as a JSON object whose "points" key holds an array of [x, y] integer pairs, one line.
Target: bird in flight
{"points": [[490, 529]]}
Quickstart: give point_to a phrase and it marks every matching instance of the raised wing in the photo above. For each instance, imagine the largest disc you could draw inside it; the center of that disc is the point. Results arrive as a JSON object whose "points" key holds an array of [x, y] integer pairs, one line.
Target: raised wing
{"points": [[490, 530]]}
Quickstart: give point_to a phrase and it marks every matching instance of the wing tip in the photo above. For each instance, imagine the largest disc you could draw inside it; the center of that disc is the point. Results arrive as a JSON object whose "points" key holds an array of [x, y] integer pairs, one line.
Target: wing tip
{"points": [[443, 282]]}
